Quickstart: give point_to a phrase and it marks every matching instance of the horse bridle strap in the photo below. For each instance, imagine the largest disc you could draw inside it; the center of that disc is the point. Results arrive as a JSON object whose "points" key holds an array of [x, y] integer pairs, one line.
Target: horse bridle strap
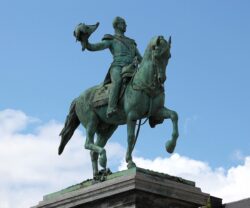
{"points": [[151, 89]]}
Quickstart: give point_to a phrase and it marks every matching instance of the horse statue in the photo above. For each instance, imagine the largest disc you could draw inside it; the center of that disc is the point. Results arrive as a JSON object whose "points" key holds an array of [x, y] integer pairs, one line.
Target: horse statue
{"points": [[143, 97]]}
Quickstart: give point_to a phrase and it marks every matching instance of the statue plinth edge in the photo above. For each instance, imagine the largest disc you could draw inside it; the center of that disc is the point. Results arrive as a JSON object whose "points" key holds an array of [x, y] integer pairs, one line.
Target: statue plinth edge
{"points": [[135, 187]]}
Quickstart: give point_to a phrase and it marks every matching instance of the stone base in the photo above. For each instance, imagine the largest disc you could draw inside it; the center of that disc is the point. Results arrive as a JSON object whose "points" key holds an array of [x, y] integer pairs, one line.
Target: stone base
{"points": [[133, 188]]}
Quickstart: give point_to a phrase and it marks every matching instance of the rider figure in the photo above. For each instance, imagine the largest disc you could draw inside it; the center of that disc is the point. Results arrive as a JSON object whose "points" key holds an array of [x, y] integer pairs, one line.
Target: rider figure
{"points": [[124, 52]]}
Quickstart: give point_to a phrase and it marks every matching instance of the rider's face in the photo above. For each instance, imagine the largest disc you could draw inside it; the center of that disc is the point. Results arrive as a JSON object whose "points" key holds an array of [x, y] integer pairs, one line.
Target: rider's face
{"points": [[122, 26]]}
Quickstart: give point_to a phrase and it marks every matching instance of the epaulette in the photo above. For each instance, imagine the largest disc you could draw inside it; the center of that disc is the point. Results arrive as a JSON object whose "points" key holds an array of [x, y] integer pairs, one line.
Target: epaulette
{"points": [[108, 37]]}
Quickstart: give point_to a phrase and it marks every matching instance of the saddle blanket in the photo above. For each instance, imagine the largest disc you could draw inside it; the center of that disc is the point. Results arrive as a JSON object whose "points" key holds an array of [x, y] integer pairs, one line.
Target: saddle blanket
{"points": [[101, 96]]}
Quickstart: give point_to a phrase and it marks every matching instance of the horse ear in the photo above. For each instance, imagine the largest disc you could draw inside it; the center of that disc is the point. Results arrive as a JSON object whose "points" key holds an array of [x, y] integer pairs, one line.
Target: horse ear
{"points": [[158, 40], [169, 41]]}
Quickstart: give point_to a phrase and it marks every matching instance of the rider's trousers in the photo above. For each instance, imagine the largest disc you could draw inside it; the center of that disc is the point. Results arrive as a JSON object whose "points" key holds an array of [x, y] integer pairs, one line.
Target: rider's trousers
{"points": [[116, 80]]}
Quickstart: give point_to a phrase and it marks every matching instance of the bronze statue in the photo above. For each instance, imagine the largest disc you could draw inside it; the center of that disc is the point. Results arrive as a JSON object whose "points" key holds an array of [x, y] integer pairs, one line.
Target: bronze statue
{"points": [[141, 97], [124, 52]]}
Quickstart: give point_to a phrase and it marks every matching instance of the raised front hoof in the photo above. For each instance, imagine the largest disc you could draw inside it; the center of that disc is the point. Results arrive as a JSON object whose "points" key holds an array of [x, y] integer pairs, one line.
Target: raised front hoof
{"points": [[170, 146], [131, 164]]}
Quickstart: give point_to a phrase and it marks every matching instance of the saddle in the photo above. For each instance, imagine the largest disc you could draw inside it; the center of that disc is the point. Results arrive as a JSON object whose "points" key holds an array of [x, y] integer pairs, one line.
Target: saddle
{"points": [[101, 95]]}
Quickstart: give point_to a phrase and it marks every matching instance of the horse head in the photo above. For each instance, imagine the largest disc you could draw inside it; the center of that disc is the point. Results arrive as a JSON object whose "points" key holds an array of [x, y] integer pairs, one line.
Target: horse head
{"points": [[159, 50]]}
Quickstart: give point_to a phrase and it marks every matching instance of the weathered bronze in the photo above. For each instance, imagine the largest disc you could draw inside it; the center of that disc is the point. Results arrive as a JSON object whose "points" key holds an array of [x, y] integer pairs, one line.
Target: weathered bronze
{"points": [[124, 53], [140, 97]]}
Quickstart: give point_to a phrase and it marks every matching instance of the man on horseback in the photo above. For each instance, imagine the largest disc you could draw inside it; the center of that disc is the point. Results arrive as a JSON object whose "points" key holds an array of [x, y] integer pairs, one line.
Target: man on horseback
{"points": [[144, 98], [124, 51]]}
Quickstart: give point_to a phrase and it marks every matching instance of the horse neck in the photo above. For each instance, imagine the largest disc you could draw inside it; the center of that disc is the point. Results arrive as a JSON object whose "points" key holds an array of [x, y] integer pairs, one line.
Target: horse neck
{"points": [[146, 69]]}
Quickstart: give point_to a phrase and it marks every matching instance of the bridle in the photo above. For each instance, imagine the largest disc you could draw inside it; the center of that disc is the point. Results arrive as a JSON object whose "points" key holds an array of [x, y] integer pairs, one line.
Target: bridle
{"points": [[150, 88]]}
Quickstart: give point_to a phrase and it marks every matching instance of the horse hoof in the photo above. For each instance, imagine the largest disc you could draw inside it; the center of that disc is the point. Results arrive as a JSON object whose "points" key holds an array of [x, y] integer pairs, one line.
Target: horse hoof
{"points": [[96, 179], [105, 172], [170, 146], [131, 165], [101, 175]]}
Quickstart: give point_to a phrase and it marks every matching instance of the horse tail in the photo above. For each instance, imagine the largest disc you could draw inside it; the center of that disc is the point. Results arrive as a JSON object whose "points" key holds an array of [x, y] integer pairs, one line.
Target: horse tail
{"points": [[71, 123]]}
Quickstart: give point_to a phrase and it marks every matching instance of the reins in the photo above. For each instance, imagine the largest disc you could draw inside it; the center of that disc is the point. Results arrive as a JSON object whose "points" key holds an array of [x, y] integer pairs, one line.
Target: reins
{"points": [[150, 97], [150, 90], [140, 124]]}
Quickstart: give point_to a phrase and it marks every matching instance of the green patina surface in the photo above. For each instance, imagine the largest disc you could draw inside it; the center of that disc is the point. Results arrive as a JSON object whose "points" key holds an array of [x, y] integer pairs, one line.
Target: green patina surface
{"points": [[131, 171], [142, 97]]}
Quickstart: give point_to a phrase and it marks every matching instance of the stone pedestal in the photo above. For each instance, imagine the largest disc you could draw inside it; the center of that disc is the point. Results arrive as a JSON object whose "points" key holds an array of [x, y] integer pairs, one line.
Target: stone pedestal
{"points": [[133, 188]]}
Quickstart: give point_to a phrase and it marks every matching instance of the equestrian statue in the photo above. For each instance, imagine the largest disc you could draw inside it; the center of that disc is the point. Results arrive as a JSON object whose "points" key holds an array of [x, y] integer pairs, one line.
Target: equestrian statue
{"points": [[132, 90]]}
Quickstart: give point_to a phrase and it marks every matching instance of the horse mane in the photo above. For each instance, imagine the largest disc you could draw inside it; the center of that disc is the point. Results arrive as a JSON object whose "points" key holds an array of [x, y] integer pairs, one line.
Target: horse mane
{"points": [[148, 52], [147, 56]]}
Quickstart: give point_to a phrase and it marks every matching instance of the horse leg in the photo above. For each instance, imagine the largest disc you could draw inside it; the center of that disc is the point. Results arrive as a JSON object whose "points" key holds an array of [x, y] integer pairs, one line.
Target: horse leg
{"points": [[91, 129], [102, 138], [131, 140], [166, 114], [94, 158]]}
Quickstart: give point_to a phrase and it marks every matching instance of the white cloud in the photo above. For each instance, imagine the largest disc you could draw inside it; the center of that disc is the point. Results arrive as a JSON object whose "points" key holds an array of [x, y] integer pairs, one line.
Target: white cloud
{"points": [[230, 185], [7, 126], [30, 166], [238, 156]]}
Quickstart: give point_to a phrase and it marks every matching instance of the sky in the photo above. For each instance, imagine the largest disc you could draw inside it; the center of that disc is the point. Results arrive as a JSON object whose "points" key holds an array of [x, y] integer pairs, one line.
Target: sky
{"points": [[42, 69]]}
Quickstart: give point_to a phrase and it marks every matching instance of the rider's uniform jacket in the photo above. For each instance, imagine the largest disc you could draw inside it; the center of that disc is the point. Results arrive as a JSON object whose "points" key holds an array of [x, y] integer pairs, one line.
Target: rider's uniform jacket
{"points": [[123, 49]]}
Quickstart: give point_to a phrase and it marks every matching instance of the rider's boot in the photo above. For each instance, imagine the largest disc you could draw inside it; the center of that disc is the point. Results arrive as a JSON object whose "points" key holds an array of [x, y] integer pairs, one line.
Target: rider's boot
{"points": [[113, 99]]}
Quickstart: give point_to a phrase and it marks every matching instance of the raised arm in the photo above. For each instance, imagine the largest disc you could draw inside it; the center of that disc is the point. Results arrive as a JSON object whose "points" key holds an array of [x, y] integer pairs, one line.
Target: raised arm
{"points": [[96, 46]]}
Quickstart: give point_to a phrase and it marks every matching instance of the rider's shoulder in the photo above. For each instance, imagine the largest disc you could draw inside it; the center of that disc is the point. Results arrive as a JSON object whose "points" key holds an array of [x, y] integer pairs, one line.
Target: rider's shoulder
{"points": [[108, 37], [132, 40]]}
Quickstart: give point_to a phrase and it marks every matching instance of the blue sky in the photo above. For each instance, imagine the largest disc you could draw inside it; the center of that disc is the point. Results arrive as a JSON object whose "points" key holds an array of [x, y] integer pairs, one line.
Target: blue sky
{"points": [[42, 68]]}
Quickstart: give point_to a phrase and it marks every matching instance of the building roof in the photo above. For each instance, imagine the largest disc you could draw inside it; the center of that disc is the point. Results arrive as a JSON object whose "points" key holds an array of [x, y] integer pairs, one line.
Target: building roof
{"points": [[244, 203]]}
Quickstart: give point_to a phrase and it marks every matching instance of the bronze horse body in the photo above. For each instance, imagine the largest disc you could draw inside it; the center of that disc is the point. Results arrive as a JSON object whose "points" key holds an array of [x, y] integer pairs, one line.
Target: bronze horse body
{"points": [[143, 98]]}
